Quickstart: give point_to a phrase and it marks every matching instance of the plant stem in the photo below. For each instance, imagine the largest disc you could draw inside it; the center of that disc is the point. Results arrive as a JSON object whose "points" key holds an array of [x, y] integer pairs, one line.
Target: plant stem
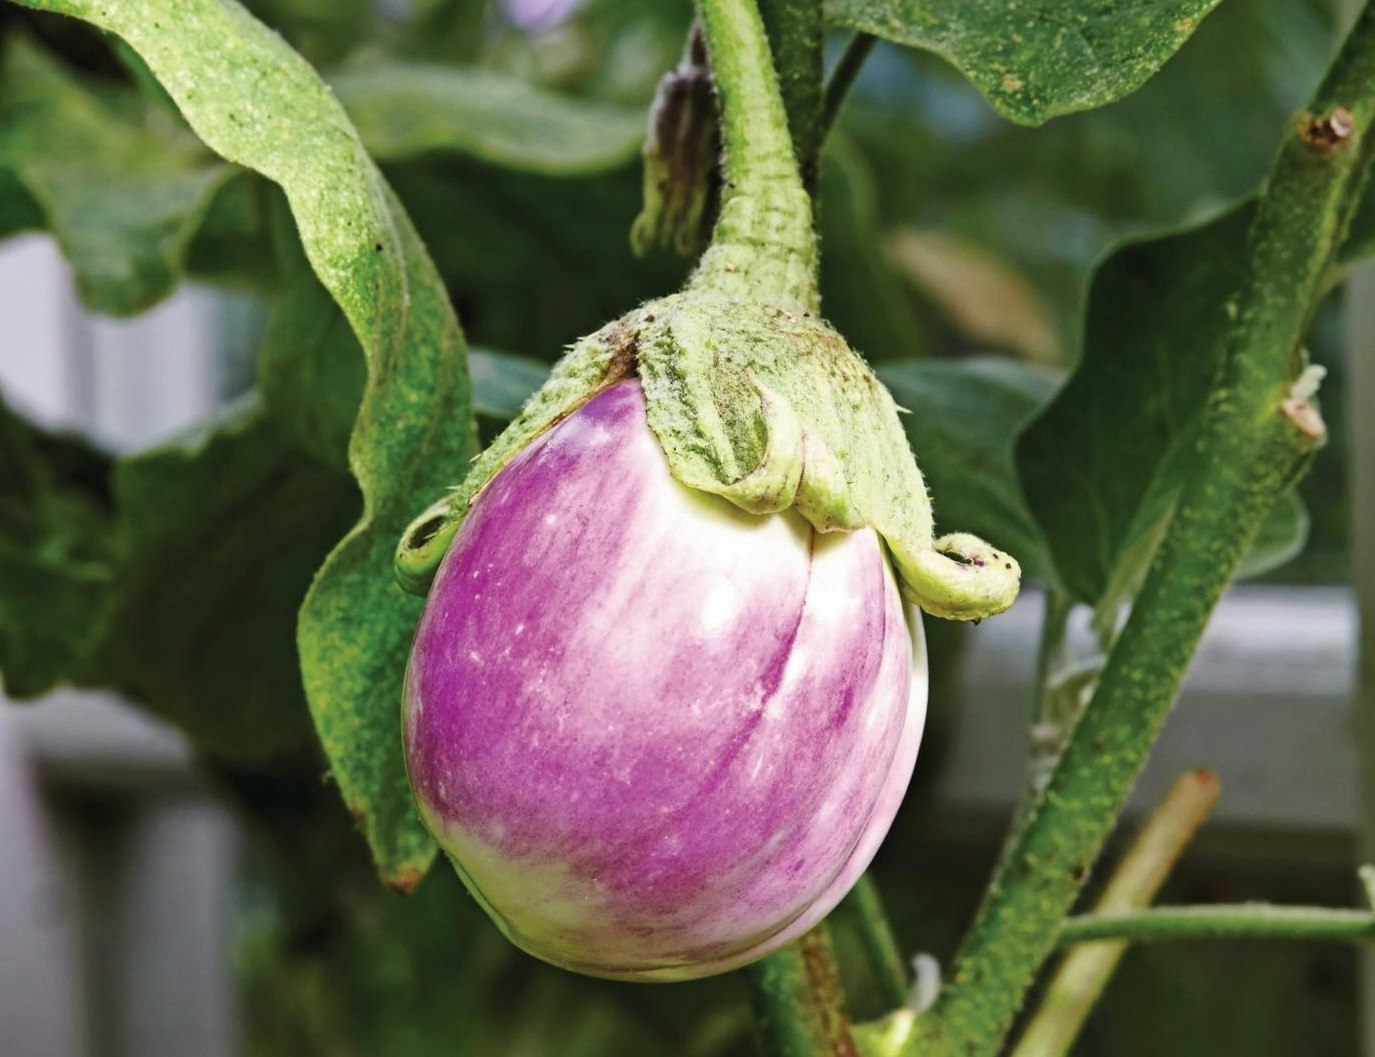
{"points": [[799, 1009], [796, 35], [1260, 921], [763, 247], [1080, 980], [843, 77], [1258, 434], [879, 943], [1051, 716]]}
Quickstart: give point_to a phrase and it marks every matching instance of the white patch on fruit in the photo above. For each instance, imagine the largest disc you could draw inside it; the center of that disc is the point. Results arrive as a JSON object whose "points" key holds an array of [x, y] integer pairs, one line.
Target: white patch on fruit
{"points": [[721, 607]]}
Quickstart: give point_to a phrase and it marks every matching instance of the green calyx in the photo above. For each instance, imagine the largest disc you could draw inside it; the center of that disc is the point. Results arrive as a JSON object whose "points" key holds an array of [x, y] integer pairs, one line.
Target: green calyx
{"points": [[753, 396], [768, 407]]}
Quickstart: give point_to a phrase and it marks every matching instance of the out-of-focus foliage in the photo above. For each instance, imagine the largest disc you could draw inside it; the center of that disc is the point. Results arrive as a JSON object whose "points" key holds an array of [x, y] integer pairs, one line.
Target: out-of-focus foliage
{"points": [[1104, 462], [404, 110], [122, 185], [54, 555]]}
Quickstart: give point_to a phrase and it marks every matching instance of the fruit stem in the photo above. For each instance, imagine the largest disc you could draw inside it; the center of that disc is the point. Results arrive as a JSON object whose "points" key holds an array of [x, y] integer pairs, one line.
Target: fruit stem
{"points": [[796, 35], [799, 1010], [763, 248]]}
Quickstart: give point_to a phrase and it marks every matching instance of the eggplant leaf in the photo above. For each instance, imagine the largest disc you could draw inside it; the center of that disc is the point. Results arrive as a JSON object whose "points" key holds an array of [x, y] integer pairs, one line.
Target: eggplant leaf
{"points": [[55, 556], [311, 371], [122, 185], [220, 531], [257, 103], [18, 211], [963, 417], [1033, 61], [1102, 464], [403, 111]]}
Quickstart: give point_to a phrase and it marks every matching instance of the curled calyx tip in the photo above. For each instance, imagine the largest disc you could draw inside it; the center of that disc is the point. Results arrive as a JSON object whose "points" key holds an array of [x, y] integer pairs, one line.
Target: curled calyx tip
{"points": [[422, 546], [773, 410], [958, 577]]}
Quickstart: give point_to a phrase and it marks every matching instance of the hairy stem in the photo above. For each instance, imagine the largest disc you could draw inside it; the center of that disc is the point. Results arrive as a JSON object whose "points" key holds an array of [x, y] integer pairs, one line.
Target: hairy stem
{"points": [[799, 1010], [1085, 972], [796, 35], [1259, 432], [763, 248], [1051, 715], [1260, 921], [843, 78]]}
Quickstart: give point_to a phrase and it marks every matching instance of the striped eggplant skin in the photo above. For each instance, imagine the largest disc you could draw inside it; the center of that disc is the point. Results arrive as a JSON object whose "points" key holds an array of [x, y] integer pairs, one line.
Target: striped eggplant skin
{"points": [[657, 737]]}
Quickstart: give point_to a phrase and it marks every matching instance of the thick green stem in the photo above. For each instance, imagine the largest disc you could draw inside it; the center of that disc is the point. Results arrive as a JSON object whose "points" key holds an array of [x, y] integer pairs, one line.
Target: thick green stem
{"points": [[763, 248], [1256, 921], [796, 36], [1259, 433], [1085, 972], [799, 1009], [843, 78]]}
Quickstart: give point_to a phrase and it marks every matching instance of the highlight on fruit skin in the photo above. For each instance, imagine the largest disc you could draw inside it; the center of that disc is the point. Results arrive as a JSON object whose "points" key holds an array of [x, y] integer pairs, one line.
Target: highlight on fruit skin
{"points": [[657, 736]]}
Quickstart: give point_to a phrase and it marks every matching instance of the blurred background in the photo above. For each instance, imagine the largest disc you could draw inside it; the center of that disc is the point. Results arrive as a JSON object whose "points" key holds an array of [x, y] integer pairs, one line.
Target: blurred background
{"points": [[157, 902]]}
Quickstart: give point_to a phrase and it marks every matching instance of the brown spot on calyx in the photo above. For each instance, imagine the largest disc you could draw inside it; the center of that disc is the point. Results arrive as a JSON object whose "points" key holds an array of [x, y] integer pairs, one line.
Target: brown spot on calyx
{"points": [[1327, 132]]}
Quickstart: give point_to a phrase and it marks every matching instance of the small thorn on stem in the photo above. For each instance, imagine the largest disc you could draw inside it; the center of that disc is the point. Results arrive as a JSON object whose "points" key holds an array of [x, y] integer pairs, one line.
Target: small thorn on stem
{"points": [[1327, 132], [926, 982], [1298, 406], [1367, 875]]}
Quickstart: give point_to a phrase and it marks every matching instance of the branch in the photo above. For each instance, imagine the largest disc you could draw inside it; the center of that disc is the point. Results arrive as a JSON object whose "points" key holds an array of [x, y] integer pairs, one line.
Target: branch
{"points": [[843, 77], [763, 248], [795, 39], [1259, 921], [1259, 432], [799, 1009], [1080, 980]]}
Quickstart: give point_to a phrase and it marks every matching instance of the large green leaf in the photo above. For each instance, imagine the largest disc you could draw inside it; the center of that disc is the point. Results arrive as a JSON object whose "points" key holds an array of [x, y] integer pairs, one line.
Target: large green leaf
{"points": [[122, 185], [255, 102], [173, 575], [963, 417], [1102, 464], [220, 532], [311, 372], [402, 111], [1038, 58], [55, 550]]}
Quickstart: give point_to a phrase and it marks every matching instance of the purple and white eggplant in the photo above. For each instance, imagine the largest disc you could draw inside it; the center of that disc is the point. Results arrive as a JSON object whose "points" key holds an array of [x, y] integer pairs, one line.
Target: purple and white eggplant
{"points": [[658, 737], [667, 691]]}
